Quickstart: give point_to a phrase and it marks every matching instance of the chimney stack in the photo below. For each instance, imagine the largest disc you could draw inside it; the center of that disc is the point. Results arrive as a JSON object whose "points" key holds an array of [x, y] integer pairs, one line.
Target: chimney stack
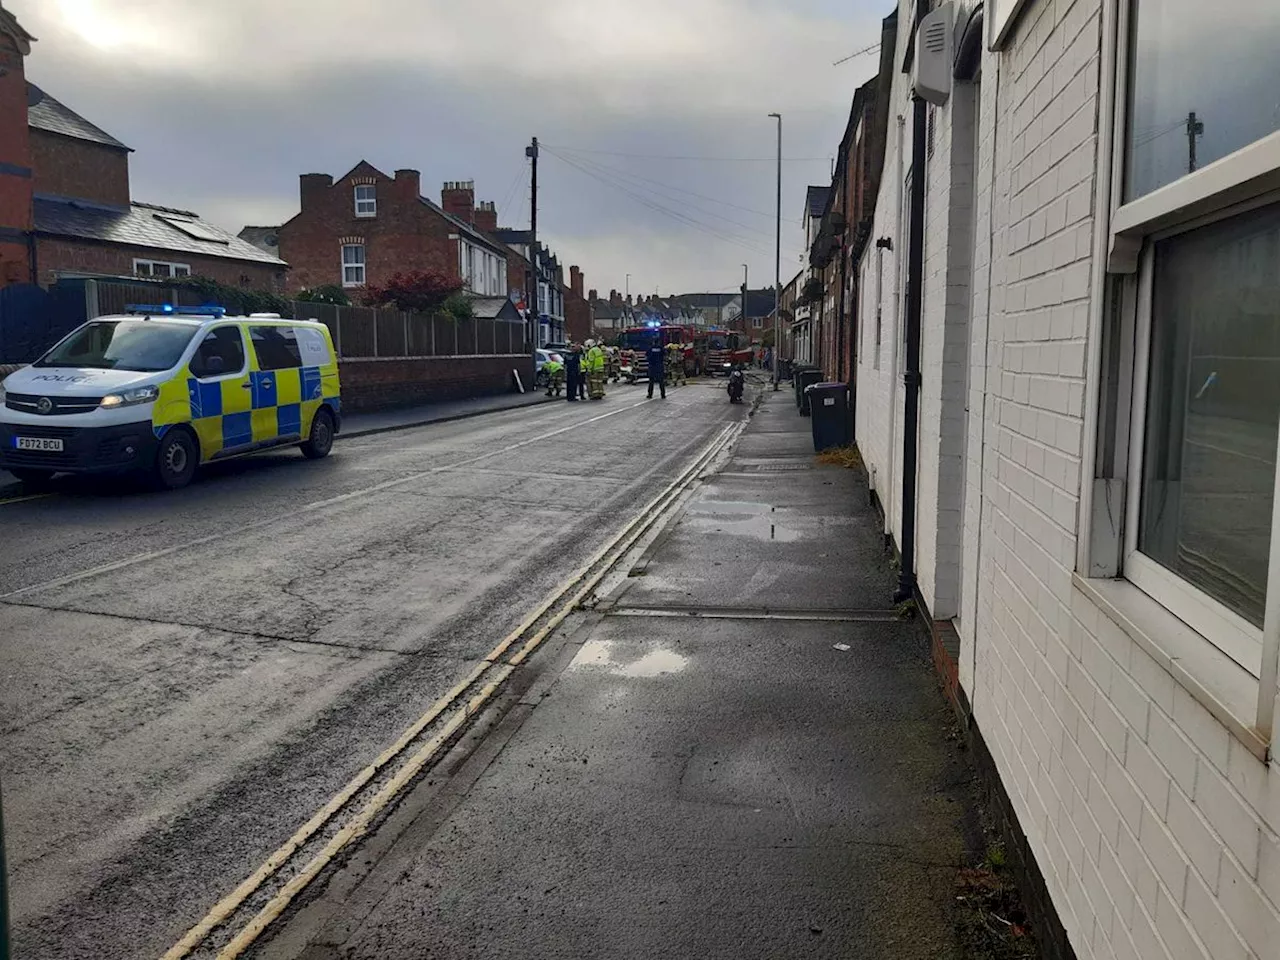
{"points": [[409, 182], [486, 217], [312, 187], [575, 281], [593, 295], [459, 199], [615, 298]]}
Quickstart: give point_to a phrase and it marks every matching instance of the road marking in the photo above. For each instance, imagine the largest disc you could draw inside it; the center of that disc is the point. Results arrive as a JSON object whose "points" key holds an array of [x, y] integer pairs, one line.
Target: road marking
{"points": [[309, 508], [619, 544], [230, 903], [360, 825], [24, 499]]}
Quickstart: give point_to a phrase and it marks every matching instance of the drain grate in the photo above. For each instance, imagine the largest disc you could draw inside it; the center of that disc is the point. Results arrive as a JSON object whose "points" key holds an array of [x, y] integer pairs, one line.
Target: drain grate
{"points": [[773, 465]]}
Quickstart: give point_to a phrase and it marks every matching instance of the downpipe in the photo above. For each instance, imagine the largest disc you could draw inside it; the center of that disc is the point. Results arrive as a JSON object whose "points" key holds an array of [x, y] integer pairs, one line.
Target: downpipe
{"points": [[911, 377]]}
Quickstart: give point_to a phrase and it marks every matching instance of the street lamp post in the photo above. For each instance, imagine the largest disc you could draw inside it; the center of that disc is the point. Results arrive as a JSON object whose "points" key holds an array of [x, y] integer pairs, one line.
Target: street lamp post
{"points": [[742, 315], [777, 264]]}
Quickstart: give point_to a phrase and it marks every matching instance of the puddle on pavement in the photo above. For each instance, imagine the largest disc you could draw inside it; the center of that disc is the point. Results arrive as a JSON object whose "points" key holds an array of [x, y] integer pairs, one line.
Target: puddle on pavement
{"points": [[655, 663]]}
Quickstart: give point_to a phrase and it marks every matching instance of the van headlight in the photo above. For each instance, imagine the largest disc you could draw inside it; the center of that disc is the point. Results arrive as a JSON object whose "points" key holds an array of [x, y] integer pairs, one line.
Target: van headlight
{"points": [[129, 398]]}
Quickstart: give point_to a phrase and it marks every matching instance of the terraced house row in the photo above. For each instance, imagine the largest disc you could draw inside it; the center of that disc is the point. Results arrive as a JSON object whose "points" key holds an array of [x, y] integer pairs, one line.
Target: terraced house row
{"points": [[1059, 312]]}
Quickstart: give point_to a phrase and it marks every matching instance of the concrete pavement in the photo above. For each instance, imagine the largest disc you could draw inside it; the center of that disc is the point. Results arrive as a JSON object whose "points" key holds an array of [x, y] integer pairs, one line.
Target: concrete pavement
{"points": [[741, 752]]}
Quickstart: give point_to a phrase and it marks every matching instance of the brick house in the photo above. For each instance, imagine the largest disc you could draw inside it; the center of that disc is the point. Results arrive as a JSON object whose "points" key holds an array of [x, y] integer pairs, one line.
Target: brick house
{"points": [[367, 226], [844, 228], [1092, 536], [65, 202], [15, 155]]}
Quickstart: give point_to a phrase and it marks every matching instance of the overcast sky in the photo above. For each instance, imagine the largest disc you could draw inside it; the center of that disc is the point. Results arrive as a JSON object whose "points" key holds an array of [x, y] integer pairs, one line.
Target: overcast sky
{"points": [[227, 102]]}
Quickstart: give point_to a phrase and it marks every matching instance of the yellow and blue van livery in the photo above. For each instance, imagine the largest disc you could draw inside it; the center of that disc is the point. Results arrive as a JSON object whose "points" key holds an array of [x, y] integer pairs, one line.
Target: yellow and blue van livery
{"points": [[166, 389]]}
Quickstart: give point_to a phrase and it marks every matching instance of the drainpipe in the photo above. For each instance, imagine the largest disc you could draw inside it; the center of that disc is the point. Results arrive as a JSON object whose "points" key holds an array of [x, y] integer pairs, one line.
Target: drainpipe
{"points": [[896, 338], [844, 283], [911, 377]]}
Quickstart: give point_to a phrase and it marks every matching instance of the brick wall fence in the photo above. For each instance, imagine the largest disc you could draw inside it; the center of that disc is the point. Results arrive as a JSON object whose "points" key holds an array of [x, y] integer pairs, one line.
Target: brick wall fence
{"points": [[384, 384]]}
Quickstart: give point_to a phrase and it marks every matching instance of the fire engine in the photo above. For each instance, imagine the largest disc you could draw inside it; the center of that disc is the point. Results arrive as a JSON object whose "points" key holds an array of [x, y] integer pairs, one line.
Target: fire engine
{"points": [[724, 349], [634, 341]]}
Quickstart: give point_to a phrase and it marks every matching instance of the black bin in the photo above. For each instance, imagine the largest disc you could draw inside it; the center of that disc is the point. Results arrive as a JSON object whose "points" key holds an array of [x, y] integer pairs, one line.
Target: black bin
{"points": [[829, 404], [806, 379]]}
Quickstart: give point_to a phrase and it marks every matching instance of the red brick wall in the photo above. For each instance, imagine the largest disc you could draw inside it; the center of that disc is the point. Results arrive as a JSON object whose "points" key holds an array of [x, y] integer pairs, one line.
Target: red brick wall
{"points": [[384, 384], [15, 149], [56, 255], [405, 235], [67, 167]]}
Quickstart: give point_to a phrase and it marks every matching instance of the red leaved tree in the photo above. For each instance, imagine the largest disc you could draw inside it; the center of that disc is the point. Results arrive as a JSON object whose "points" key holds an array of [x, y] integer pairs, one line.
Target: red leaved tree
{"points": [[416, 291]]}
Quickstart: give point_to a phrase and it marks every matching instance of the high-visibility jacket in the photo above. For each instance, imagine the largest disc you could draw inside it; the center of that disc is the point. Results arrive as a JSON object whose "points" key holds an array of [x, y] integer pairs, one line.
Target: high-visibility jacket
{"points": [[552, 367], [594, 362]]}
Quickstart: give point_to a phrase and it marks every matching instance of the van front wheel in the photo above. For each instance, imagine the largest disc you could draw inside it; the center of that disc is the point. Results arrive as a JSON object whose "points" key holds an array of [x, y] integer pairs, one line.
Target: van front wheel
{"points": [[320, 441], [176, 460]]}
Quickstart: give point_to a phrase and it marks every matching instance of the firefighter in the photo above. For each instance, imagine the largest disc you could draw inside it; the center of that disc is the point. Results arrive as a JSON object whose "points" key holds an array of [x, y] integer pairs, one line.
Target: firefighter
{"points": [[555, 377], [595, 366]]}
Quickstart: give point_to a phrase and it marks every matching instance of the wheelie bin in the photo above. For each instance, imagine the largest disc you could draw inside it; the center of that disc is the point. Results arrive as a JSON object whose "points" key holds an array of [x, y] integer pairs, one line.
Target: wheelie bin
{"points": [[807, 379], [829, 406]]}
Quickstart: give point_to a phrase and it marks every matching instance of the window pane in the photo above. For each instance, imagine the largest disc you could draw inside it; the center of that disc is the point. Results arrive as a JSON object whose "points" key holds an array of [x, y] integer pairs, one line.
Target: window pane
{"points": [[1216, 60], [160, 269], [1213, 408], [181, 271], [352, 254], [142, 268], [221, 352], [276, 347]]}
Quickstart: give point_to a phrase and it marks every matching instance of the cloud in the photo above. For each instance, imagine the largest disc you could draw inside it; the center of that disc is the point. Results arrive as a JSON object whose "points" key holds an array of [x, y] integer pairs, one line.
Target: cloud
{"points": [[226, 103]]}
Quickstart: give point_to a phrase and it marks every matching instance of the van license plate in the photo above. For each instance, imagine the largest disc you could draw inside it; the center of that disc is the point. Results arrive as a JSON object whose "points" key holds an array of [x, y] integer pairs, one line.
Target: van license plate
{"points": [[38, 443]]}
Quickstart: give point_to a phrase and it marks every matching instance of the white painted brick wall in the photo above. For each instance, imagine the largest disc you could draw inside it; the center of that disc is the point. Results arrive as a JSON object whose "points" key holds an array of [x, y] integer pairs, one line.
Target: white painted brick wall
{"points": [[1155, 829]]}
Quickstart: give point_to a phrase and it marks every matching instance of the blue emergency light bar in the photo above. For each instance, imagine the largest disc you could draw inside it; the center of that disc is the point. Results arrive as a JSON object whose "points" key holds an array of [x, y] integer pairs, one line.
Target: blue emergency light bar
{"points": [[152, 309]]}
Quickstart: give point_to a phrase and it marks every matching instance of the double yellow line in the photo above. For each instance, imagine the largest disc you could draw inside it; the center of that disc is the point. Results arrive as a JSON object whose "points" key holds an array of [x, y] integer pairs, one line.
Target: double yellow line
{"points": [[585, 580]]}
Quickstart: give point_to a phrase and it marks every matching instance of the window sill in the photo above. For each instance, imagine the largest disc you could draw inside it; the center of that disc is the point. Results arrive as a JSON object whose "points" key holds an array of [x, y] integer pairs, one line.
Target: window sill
{"points": [[1213, 679]]}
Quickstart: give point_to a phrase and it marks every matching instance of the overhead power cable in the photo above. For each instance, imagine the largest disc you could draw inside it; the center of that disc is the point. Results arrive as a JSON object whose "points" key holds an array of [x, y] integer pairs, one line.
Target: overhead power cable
{"points": [[661, 209], [692, 193], [650, 156], [660, 195]]}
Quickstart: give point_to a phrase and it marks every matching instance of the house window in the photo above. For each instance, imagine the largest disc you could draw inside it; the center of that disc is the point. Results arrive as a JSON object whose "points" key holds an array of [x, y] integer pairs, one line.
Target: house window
{"points": [[1205, 305], [160, 268], [757, 322], [366, 200], [353, 265]]}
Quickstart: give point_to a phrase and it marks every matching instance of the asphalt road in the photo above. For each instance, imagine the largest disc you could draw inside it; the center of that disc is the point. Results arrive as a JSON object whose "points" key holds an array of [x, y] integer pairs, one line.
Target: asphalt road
{"points": [[185, 678]]}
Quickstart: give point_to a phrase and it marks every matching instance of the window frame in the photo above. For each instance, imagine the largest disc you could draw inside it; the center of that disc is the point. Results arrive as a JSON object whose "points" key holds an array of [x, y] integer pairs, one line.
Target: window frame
{"points": [[372, 201], [362, 266], [288, 332], [226, 374], [172, 266], [1244, 180]]}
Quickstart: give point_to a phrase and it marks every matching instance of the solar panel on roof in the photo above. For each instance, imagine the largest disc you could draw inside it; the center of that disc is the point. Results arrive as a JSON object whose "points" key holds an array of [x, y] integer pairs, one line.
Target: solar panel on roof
{"points": [[194, 228]]}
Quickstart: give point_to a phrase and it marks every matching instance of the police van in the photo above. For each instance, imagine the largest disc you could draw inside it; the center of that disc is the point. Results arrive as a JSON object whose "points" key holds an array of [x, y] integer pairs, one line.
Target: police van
{"points": [[163, 389]]}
